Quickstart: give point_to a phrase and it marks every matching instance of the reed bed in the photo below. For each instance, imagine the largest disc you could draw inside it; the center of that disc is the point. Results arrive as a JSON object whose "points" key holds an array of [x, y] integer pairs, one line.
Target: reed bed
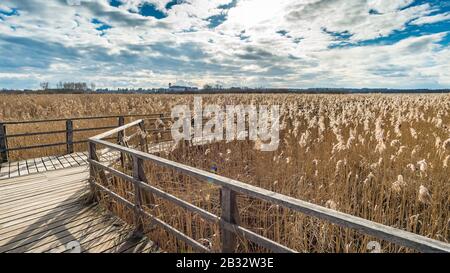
{"points": [[384, 158]]}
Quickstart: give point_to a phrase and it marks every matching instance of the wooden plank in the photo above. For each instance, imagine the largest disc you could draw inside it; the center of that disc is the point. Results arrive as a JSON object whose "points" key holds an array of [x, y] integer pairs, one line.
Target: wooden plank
{"points": [[41, 211], [64, 162], [47, 192], [21, 179], [40, 165], [37, 204], [71, 161], [75, 190], [56, 164], [42, 179], [69, 195], [57, 242], [23, 168], [35, 179], [4, 173], [41, 183], [23, 239], [108, 240], [46, 226], [77, 159], [48, 163], [12, 218], [230, 215], [32, 236], [8, 206], [81, 170], [31, 165], [45, 221], [82, 156], [19, 189], [65, 236], [49, 216], [13, 169], [137, 172]]}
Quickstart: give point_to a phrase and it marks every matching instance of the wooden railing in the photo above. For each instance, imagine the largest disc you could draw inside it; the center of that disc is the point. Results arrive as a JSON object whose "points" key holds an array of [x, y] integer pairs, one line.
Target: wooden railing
{"points": [[229, 218], [69, 132]]}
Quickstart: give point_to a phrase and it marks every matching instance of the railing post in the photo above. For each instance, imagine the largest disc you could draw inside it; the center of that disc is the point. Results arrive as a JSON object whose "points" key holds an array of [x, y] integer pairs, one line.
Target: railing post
{"points": [[69, 136], [3, 144], [120, 136], [230, 214], [92, 156], [137, 171], [143, 137]]}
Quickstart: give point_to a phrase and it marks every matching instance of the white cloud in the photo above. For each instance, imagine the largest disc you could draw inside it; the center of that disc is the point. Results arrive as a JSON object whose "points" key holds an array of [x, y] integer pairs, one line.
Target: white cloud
{"points": [[383, 6], [285, 43], [431, 19]]}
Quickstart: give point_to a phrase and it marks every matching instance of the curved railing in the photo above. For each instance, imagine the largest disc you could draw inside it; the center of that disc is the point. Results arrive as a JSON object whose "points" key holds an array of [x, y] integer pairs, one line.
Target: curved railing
{"points": [[229, 212], [69, 131]]}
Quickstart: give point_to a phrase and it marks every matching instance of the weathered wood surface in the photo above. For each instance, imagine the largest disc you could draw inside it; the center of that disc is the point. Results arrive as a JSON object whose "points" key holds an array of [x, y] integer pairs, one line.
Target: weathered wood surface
{"points": [[51, 163], [46, 212]]}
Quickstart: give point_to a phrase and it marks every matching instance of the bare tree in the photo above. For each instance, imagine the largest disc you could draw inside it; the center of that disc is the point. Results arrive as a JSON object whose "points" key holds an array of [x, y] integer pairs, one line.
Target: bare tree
{"points": [[75, 86], [44, 85], [207, 87]]}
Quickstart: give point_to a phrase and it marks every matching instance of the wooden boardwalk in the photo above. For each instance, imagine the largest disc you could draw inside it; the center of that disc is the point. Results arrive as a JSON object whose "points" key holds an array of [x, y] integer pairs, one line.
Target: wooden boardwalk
{"points": [[46, 212], [49, 163]]}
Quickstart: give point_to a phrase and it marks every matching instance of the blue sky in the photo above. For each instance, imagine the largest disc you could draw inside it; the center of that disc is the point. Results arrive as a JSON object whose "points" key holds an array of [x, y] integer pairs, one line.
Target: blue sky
{"points": [[283, 43]]}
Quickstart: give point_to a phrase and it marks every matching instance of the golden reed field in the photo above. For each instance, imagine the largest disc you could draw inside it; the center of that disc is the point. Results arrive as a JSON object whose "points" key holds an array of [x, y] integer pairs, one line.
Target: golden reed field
{"points": [[385, 158]]}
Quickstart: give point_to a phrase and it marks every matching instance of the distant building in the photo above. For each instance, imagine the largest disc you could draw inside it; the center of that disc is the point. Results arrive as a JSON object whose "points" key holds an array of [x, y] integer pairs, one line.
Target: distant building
{"points": [[178, 88]]}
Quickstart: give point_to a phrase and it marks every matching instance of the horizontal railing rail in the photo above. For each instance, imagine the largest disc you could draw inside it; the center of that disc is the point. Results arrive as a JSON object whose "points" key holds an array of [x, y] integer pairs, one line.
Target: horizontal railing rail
{"points": [[69, 131], [229, 218]]}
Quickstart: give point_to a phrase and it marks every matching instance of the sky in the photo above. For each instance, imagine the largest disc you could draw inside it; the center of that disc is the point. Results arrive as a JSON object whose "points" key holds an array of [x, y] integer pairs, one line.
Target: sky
{"points": [[253, 43]]}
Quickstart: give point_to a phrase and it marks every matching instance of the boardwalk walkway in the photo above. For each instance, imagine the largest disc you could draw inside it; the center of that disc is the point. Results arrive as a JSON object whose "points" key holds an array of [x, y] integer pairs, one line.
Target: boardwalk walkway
{"points": [[45, 211], [45, 164]]}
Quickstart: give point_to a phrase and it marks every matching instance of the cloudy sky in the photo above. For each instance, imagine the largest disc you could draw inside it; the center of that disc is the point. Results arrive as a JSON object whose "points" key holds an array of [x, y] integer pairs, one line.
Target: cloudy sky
{"points": [[270, 43]]}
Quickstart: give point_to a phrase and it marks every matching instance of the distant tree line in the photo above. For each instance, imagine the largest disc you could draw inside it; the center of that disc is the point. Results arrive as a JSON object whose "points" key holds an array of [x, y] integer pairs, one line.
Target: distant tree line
{"points": [[83, 87], [75, 87]]}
